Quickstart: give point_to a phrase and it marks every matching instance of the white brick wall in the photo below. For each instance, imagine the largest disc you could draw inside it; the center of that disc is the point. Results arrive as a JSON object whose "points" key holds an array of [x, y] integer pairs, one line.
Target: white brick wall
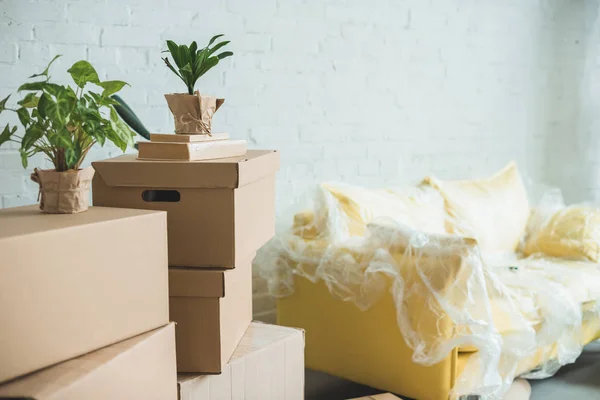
{"points": [[374, 93]]}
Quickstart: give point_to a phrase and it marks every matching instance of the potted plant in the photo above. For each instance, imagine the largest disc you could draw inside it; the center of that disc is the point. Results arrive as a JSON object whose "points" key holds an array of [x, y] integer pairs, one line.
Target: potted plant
{"points": [[64, 123], [191, 111]]}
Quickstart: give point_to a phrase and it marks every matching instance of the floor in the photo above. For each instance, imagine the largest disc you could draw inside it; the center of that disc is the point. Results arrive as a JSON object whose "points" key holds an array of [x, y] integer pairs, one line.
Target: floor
{"points": [[576, 381]]}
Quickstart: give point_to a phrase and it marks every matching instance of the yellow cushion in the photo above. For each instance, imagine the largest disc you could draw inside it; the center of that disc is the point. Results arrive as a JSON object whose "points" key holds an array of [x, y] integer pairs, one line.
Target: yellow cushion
{"points": [[419, 208], [573, 232], [493, 210]]}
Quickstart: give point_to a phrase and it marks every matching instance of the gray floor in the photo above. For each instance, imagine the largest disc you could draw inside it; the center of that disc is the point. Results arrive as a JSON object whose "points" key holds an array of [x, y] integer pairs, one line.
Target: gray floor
{"points": [[579, 381]]}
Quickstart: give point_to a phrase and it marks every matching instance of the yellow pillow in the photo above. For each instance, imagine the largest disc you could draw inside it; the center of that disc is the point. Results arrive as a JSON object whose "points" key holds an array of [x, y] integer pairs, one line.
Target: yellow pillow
{"points": [[573, 232], [493, 210], [418, 208]]}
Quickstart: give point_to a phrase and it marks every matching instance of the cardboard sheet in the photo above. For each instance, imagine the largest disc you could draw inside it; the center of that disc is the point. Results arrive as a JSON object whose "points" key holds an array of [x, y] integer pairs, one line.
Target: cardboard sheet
{"points": [[268, 364], [142, 367], [219, 211], [74, 283]]}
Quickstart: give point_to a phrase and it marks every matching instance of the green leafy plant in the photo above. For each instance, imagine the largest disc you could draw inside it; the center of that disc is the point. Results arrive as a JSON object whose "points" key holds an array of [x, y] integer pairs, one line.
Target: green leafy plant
{"points": [[64, 122], [192, 62]]}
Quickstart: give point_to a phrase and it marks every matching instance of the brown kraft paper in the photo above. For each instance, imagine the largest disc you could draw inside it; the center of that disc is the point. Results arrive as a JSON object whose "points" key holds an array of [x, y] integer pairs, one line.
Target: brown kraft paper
{"points": [[192, 112], [64, 192]]}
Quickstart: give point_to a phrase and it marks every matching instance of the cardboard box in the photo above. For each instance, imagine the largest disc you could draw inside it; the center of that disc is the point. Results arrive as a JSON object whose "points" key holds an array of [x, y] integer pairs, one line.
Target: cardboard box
{"points": [[268, 364], [212, 309], [142, 367], [219, 211], [73, 283]]}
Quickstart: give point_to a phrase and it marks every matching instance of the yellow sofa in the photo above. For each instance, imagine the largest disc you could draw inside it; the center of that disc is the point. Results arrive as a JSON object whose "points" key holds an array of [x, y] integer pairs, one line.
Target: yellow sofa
{"points": [[440, 290]]}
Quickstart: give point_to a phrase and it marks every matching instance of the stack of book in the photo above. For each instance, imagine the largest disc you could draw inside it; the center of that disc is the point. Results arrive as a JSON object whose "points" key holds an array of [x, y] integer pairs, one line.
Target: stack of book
{"points": [[190, 147]]}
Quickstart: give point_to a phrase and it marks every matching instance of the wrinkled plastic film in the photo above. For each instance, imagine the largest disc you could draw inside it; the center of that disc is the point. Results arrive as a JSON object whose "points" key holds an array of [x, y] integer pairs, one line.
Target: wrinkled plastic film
{"points": [[515, 314]]}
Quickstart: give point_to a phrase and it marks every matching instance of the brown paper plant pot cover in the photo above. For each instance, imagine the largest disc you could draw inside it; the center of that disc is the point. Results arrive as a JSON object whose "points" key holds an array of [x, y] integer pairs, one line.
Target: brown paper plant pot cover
{"points": [[192, 112], [65, 192]]}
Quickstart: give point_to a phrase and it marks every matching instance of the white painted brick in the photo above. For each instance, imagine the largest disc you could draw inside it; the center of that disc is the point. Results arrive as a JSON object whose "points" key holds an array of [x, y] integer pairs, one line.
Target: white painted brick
{"points": [[130, 36], [15, 29], [11, 182], [29, 51], [8, 53], [368, 168], [27, 10], [251, 43], [256, 7], [132, 57], [70, 54], [84, 34], [102, 56], [343, 151], [17, 200], [94, 12]]}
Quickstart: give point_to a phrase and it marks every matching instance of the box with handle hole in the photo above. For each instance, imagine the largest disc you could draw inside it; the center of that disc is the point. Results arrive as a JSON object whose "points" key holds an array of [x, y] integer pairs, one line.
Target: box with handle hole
{"points": [[219, 211]]}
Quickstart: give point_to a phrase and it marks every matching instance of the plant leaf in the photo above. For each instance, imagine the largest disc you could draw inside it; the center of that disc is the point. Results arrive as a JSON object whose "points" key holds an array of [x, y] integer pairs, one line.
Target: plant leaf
{"points": [[82, 72], [32, 86], [212, 40], [32, 135], [224, 55], [123, 135], [3, 103], [24, 157], [184, 53], [129, 117], [29, 101], [53, 89], [6, 134], [174, 50], [60, 138], [58, 111], [45, 73], [218, 46], [166, 60], [111, 87], [193, 48], [208, 64], [72, 155], [24, 116]]}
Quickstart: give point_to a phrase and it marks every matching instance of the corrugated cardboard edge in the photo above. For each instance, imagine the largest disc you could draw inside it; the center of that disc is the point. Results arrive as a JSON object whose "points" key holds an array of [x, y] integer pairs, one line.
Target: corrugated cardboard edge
{"points": [[248, 175], [186, 380], [68, 375], [127, 171]]}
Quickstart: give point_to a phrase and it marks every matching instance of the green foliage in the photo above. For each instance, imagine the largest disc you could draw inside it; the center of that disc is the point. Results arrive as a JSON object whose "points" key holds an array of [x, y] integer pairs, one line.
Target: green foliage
{"points": [[64, 123], [192, 62], [127, 114]]}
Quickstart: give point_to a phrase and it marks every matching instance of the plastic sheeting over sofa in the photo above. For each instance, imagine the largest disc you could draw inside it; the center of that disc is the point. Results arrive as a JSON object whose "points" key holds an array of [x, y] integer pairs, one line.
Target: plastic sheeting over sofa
{"points": [[469, 264]]}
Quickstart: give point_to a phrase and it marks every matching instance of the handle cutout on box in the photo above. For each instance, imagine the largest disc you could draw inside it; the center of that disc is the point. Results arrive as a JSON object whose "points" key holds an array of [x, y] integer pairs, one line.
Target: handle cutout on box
{"points": [[163, 196]]}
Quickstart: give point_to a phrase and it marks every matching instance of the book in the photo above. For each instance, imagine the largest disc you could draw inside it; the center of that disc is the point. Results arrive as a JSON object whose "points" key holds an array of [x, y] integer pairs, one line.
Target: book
{"points": [[181, 138], [191, 151]]}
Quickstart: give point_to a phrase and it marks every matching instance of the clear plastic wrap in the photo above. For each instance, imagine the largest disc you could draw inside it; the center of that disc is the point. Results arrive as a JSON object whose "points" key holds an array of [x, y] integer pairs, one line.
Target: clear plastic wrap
{"points": [[516, 315]]}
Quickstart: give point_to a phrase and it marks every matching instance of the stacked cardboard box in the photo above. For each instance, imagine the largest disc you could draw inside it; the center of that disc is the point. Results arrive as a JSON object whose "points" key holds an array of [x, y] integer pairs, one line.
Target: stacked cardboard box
{"points": [[220, 212], [268, 364], [84, 305]]}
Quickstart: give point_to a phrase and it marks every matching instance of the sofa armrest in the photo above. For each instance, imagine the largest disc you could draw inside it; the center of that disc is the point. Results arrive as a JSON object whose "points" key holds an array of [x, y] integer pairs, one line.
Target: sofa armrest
{"points": [[439, 288]]}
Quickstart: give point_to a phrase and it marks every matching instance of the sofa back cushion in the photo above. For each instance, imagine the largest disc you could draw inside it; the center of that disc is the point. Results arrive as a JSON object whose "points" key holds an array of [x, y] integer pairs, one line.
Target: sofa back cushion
{"points": [[492, 210], [353, 207], [571, 232]]}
